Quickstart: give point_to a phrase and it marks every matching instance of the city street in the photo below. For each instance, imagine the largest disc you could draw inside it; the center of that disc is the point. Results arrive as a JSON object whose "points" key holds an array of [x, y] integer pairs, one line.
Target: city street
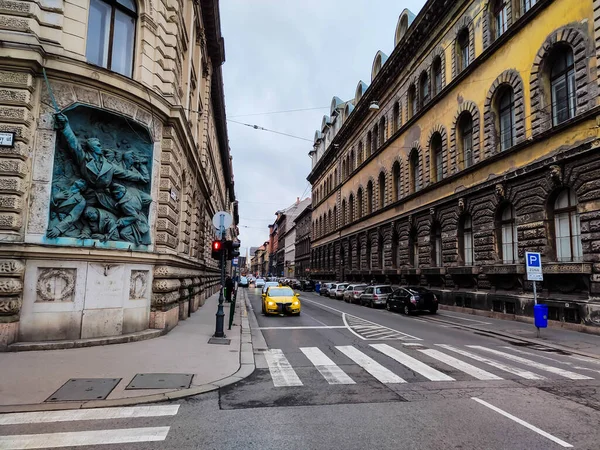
{"points": [[346, 376]]}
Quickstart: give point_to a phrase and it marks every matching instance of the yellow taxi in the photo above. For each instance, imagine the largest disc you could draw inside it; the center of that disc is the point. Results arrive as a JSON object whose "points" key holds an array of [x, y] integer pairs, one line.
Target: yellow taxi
{"points": [[280, 300]]}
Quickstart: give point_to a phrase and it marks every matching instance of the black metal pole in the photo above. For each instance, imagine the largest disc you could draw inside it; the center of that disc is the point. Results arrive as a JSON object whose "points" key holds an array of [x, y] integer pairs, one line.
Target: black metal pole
{"points": [[219, 332]]}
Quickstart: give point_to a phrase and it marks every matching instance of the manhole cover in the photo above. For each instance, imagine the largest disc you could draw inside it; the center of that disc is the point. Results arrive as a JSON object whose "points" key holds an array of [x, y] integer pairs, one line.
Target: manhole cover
{"points": [[221, 341], [77, 389], [161, 381]]}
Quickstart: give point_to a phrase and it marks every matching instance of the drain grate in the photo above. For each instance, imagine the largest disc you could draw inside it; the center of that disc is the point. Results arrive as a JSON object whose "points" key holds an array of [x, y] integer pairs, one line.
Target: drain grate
{"points": [[78, 389], [161, 381]]}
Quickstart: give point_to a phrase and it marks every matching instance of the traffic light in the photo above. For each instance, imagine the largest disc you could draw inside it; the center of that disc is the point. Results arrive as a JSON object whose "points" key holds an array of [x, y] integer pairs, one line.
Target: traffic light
{"points": [[232, 249], [217, 250]]}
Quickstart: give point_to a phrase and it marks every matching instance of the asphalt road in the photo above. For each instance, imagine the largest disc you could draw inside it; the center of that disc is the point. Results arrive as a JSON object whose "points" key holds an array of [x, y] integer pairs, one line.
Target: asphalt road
{"points": [[349, 377]]}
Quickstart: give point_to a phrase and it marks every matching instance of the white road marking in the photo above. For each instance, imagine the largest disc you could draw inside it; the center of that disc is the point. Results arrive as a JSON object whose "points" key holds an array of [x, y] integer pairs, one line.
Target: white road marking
{"points": [[523, 352], [414, 364], [467, 368], [281, 370], [556, 370], [71, 415], [77, 438], [497, 364], [412, 344], [522, 422], [330, 371], [585, 359], [316, 327], [370, 365]]}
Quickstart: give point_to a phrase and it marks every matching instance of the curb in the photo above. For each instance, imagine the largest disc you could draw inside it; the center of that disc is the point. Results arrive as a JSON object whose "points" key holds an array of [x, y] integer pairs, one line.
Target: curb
{"points": [[247, 366], [513, 337]]}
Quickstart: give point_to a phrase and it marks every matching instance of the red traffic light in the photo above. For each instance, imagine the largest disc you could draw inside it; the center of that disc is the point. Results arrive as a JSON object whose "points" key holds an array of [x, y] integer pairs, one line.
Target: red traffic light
{"points": [[216, 246]]}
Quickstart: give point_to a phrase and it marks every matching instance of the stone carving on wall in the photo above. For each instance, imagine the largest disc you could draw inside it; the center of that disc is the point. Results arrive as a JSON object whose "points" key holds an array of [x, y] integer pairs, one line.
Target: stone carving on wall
{"points": [[101, 179], [12, 267], [56, 285], [555, 175], [500, 192], [10, 306], [461, 205], [138, 285]]}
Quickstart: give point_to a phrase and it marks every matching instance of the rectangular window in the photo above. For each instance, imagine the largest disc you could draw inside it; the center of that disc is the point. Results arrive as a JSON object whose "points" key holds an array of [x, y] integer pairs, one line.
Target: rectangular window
{"points": [[468, 149], [468, 238], [563, 237], [507, 129], [122, 53], [438, 251], [437, 81], [528, 4], [509, 244], [464, 54], [501, 21], [439, 164], [98, 35]]}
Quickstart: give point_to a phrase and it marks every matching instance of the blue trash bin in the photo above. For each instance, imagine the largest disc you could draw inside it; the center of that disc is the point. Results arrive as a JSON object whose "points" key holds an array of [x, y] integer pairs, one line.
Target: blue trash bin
{"points": [[317, 287], [540, 316]]}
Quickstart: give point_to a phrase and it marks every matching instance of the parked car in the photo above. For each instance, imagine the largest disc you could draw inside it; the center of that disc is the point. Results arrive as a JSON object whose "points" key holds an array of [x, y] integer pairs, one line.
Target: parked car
{"points": [[259, 283], [325, 289], [353, 292], [243, 282], [377, 295], [307, 285], [296, 284], [412, 298], [337, 291]]}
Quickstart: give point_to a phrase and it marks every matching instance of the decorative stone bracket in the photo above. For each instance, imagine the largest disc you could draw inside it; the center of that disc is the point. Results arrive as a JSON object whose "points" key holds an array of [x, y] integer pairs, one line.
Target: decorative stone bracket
{"points": [[11, 287]]}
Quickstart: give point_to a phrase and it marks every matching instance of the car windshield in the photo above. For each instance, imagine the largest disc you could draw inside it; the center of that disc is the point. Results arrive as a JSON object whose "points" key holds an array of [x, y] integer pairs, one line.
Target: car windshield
{"points": [[281, 292], [360, 288], [384, 290], [416, 290], [342, 286], [260, 280]]}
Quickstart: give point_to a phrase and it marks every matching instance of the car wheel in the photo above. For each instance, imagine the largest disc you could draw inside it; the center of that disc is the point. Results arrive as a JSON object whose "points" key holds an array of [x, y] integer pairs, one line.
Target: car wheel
{"points": [[370, 303], [433, 311], [388, 306], [406, 310]]}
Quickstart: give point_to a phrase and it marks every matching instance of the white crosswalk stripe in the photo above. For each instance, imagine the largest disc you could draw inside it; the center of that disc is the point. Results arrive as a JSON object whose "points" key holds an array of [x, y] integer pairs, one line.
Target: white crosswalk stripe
{"points": [[330, 371], [497, 364], [414, 364], [467, 368], [556, 370], [370, 365], [281, 370], [367, 330], [80, 438]]}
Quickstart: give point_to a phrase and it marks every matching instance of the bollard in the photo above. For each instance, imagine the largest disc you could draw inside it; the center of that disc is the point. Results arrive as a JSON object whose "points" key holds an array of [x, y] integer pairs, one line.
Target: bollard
{"points": [[232, 308]]}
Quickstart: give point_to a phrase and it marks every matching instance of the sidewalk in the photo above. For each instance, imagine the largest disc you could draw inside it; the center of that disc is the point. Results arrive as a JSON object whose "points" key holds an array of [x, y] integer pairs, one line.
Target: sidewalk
{"points": [[562, 339], [30, 378]]}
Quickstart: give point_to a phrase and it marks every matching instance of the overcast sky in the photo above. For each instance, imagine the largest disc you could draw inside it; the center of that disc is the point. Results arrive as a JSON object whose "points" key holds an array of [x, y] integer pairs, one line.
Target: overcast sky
{"points": [[292, 54]]}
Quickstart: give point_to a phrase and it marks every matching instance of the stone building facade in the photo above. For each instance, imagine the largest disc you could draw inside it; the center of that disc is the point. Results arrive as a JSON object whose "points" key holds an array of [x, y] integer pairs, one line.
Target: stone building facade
{"points": [[302, 243], [119, 161], [476, 141]]}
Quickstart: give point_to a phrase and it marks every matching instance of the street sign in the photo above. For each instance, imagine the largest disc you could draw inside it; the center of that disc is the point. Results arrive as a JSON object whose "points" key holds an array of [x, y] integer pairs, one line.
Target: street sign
{"points": [[7, 139], [533, 266], [222, 219], [234, 261]]}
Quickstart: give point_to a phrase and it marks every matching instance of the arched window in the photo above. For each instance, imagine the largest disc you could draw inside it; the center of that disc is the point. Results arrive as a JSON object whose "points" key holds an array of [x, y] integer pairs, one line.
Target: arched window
{"points": [[344, 212], [381, 201], [506, 118], [359, 201], [369, 144], [330, 219], [351, 209], [436, 245], [414, 171], [500, 14], [424, 88], [335, 178], [413, 248], [334, 219], [465, 238], [507, 236], [562, 83], [370, 197], [396, 185], [361, 154], [376, 142], [352, 161], [465, 140], [462, 50], [436, 75], [412, 101], [396, 117], [437, 158], [111, 35], [382, 130], [567, 230]]}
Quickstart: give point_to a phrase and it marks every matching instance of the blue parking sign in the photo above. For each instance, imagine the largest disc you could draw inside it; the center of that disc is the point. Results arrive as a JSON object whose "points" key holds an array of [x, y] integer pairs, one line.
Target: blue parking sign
{"points": [[533, 260], [533, 266]]}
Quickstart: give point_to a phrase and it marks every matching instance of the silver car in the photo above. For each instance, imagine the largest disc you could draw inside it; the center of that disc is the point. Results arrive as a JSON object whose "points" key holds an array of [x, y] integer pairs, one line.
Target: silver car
{"points": [[353, 292], [337, 290], [376, 295]]}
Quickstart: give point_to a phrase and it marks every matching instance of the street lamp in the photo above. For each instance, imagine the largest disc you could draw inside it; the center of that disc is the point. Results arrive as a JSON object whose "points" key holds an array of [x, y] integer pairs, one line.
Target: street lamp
{"points": [[374, 106]]}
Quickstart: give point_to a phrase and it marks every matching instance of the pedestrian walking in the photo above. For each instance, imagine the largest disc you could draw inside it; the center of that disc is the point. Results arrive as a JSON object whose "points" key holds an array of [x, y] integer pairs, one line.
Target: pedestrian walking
{"points": [[228, 288]]}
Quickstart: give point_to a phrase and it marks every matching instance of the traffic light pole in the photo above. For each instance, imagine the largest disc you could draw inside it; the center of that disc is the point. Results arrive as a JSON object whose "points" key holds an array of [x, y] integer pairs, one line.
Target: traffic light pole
{"points": [[219, 328]]}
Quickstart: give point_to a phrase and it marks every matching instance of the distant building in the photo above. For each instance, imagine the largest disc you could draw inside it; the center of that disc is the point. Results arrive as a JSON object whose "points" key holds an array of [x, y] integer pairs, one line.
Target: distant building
{"points": [[302, 242]]}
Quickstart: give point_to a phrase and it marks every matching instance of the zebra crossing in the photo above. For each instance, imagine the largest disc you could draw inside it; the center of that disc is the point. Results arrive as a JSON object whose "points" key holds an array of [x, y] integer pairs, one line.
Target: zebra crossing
{"points": [[415, 363], [85, 438]]}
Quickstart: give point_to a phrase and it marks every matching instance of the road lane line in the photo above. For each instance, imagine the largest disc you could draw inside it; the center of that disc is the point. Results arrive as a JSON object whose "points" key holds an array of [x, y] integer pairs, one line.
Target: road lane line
{"points": [[370, 365], [281, 370], [556, 370], [497, 364], [71, 415], [78, 438], [330, 371], [414, 364], [467, 368], [522, 422], [316, 327]]}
